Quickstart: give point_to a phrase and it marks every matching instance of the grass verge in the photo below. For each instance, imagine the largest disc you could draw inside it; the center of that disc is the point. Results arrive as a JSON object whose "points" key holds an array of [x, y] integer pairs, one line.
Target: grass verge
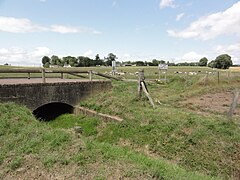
{"points": [[28, 143]]}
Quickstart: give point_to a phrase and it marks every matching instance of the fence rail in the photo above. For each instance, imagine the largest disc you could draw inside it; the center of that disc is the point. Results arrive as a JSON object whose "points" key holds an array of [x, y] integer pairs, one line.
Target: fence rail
{"points": [[42, 72], [206, 76]]}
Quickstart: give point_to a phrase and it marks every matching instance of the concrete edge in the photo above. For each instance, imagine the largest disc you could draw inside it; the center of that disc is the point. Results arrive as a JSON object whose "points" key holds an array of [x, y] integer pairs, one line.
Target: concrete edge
{"points": [[105, 117]]}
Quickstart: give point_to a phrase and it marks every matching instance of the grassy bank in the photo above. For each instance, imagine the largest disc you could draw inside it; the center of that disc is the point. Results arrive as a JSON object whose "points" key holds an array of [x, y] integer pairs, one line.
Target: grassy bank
{"points": [[207, 143], [29, 148], [171, 141]]}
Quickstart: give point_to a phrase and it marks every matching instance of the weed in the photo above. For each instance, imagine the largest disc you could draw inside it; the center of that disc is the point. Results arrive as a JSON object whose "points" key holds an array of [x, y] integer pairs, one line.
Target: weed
{"points": [[16, 163], [49, 161], [67, 121]]}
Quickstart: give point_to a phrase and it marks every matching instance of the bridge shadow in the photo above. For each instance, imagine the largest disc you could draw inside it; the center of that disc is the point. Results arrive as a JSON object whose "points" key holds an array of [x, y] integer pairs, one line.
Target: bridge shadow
{"points": [[51, 111]]}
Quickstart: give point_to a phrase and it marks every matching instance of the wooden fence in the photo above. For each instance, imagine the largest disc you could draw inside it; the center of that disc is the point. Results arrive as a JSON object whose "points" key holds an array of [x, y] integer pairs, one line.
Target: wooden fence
{"points": [[41, 72]]}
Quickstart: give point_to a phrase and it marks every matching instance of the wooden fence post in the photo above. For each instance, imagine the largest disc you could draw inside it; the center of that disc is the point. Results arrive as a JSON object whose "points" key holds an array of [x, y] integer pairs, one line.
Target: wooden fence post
{"points": [[165, 76], [90, 75], [147, 94], [206, 79], [61, 75], [140, 79], [234, 103], [29, 75], [43, 76], [218, 77], [228, 75]]}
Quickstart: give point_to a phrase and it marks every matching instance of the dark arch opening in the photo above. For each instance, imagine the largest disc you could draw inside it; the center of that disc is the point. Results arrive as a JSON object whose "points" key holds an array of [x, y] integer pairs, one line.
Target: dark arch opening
{"points": [[51, 111]]}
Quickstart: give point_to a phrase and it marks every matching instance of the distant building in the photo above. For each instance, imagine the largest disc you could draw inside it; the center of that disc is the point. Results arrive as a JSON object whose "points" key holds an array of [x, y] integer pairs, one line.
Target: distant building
{"points": [[127, 65]]}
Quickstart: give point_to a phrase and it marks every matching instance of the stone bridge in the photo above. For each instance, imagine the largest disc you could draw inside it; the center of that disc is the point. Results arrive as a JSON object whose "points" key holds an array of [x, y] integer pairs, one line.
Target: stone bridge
{"points": [[48, 100]]}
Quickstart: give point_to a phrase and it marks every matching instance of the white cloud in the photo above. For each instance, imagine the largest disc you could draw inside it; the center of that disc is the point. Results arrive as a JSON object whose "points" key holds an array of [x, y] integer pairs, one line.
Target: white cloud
{"points": [[18, 56], [42, 0], [179, 16], [192, 57], [213, 25], [88, 53], [167, 3], [70, 29], [233, 50], [4, 51], [19, 25], [64, 29], [23, 25], [126, 55], [40, 52]]}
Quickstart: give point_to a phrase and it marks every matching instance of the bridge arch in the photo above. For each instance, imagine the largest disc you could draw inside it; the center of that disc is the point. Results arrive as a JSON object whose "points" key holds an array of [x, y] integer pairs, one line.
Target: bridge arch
{"points": [[52, 110], [49, 100]]}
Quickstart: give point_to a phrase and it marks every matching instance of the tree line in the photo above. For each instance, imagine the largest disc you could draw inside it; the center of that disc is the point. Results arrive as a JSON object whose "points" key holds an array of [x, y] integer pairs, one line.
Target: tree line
{"points": [[80, 61], [221, 62]]}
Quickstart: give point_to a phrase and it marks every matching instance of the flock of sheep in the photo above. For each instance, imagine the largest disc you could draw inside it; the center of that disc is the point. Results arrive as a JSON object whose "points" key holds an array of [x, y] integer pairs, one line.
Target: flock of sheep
{"points": [[175, 72]]}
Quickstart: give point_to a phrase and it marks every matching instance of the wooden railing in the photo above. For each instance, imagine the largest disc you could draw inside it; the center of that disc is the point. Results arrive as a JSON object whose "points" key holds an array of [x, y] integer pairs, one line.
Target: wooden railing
{"points": [[43, 72]]}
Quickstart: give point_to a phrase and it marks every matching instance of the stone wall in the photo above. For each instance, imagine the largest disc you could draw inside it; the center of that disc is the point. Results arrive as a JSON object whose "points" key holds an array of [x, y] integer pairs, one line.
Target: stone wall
{"points": [[36, 95]]}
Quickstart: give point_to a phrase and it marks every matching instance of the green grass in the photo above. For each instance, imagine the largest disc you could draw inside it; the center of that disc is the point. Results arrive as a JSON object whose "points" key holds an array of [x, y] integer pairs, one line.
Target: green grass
{"points": [[151, 72], [157, 168], [167, 142], [67, 121], [22, 134], [208, 144], [52, 144]]}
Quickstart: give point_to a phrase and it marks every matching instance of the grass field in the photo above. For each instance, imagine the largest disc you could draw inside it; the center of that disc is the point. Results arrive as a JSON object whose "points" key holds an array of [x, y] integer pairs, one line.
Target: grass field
{"points": [[172, 141], [29, 148], [151, 72]]}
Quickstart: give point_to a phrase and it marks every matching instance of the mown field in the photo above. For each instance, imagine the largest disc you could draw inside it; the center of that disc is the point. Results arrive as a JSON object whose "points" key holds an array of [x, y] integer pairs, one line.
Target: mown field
{"points": [[176, 140]]}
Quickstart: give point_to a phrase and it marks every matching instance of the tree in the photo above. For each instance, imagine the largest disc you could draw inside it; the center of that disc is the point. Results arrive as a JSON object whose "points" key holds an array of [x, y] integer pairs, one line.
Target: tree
{"points": [[97, 57], [155, 62], [111, 57], [139, 63], [65, 60], [73, 62], [212, 64], [84, 61], [98, 60], [203, 61], [69, 60], [55, 60], [223, 61], [162, 62], [46, 61]]}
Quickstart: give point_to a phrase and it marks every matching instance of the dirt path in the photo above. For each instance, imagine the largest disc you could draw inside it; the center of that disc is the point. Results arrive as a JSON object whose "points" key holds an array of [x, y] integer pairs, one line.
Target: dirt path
{"points": [[213, 103]]}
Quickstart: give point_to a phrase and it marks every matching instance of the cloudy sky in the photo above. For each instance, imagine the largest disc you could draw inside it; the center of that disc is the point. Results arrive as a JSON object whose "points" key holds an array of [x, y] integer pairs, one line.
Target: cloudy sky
{"points": [[174, 30]]}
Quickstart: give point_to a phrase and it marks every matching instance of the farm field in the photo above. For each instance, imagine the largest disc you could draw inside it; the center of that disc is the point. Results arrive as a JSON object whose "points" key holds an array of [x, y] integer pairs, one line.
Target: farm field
{"points": [[151, 72], [187, 136]]}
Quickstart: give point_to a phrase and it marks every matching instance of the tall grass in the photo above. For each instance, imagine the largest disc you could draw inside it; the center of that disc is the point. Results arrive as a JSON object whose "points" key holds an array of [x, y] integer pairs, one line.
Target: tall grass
{"points": [[208, 144], [22, 136]]}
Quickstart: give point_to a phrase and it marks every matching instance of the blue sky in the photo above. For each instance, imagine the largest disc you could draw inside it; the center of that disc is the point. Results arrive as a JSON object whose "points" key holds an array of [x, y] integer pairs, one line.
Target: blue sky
{"points": [[172, 30]]}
